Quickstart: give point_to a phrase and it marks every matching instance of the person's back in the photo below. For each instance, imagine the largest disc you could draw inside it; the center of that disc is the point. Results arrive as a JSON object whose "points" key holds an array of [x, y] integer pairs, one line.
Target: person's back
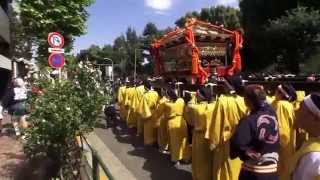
{"points": [[256, 139], [15, 103], [305, 164]]}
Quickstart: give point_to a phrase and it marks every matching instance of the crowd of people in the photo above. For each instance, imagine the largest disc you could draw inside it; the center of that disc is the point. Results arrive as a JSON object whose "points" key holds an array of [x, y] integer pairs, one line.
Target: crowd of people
{"points": [[248, 134]]}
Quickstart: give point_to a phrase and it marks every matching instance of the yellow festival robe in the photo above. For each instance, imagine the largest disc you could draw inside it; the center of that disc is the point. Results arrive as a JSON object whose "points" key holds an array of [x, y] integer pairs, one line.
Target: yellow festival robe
{"points": [[146, 110], [302, 136], [270, 99], [136, 116], [177, 128], [226, 115], [300, 96], [161, 124], [312, 145], [285, 115], [201, 153], [187, 109], [121, 99], [129, 109]]}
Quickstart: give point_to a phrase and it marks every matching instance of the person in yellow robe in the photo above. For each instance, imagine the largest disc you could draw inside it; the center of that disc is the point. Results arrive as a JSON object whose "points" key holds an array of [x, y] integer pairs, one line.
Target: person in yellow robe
{"points": [[301, 135], [229, 109], [305, 164], [146, 110], [129, 109], [177, 128], [300, 96], [121, 99], [136, 117], [161, 123], [190, 98], [285, 95], [201, 114]]}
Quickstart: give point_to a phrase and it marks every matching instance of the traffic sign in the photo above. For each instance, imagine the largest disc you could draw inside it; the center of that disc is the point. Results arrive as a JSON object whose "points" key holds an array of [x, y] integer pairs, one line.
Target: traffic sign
{"points": [[56, 60], [55, 40], [56, 50]]}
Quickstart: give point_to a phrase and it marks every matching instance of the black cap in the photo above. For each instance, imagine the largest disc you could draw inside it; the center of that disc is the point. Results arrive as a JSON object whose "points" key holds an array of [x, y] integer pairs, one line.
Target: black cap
{"points": [[236, 82], [316, 99], [292, 95], [206, 93]]}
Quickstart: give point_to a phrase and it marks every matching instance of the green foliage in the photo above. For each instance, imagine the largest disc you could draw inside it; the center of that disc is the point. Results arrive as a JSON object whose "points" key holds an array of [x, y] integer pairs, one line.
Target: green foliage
{"points": [[181, 22], [259, 49], [295, 35], [67, 108], [40, 17], [312, 65], [228, 16], [125, 48], [21, 43]]}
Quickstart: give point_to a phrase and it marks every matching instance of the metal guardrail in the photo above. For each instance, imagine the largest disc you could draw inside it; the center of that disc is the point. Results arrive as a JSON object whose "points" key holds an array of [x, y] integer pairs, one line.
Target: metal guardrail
{"points": [[97, 163]]}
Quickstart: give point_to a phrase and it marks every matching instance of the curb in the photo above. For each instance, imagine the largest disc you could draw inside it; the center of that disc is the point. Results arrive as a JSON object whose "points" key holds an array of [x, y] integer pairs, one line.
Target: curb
{"points": [[116, 167]]}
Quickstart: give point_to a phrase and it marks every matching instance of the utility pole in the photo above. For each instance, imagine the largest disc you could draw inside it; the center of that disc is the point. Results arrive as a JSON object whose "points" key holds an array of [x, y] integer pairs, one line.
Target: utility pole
{"points": [[135, 65]]}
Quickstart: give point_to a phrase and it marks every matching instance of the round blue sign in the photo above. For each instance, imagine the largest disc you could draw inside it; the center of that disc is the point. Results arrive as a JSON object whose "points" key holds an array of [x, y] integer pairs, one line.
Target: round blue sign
{"points": [[56, 60]]}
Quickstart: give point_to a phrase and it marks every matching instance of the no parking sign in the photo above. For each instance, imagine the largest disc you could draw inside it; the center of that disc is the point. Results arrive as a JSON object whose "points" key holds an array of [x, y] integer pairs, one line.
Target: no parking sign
{"points": [[56, 60], [55, 40]]}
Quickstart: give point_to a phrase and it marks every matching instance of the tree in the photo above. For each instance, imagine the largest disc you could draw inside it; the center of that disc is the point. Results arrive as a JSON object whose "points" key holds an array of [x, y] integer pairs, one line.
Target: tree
{"points": [[309, 3], [259, 50], [42, 17], [21, 43], [228, 16], [126, 48], [295, 36], [181, 22], [150, 33], [65, 109], [150, 29]]}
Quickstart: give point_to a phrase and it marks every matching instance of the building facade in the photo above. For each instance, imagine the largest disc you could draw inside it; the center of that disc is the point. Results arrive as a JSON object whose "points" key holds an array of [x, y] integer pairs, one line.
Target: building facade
{"points": [[5, 63]]}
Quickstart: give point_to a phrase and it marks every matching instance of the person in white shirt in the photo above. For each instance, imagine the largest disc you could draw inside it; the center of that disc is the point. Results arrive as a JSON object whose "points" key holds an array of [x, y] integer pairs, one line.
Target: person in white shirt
{"points": [[14, 102], [305, 164]]}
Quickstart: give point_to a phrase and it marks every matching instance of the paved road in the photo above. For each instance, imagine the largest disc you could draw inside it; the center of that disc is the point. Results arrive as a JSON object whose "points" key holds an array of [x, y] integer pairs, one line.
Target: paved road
{"points": [[145, 163]]}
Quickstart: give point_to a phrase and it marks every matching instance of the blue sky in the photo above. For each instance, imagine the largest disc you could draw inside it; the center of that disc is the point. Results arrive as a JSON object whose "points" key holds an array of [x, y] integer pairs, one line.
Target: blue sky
{"points": [[110, 18]]}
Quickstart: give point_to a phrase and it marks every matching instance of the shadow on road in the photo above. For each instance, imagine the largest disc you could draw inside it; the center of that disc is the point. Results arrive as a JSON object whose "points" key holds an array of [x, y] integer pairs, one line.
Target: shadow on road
{"points": [[158, 165]]}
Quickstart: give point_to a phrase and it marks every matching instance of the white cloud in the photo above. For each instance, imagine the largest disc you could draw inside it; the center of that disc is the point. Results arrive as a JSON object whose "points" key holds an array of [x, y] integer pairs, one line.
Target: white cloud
{"points": [[227, 2], [160, 5]]}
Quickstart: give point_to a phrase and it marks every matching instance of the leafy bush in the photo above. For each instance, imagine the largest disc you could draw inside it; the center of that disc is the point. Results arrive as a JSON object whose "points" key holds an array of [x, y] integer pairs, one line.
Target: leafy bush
{"points": [[67, 108]]}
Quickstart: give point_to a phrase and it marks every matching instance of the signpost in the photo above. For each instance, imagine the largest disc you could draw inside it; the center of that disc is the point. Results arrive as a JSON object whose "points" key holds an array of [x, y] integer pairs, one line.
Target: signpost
{"points": [[56, 59]]}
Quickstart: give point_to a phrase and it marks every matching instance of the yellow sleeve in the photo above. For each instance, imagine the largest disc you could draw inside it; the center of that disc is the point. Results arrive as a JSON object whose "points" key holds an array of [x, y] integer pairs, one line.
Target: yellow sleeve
{"points": [[209, 114], [300, 97], [158, 111], [285, 119], [188, 113], [242, 107], [127, 99], [144, 109], [120, 95], [213, 133]]}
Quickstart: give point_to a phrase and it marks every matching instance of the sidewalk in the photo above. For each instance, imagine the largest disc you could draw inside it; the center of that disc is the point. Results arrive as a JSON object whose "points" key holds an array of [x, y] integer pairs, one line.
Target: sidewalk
{"points": [[11, 154]]}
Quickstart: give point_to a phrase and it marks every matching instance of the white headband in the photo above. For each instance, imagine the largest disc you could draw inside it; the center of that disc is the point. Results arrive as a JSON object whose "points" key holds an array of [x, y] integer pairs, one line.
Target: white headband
{"points": [[311, 106]]}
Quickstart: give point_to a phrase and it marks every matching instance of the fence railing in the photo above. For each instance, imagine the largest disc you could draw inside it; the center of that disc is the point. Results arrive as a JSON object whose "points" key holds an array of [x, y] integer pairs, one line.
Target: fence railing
{"points": [[97, 162]]}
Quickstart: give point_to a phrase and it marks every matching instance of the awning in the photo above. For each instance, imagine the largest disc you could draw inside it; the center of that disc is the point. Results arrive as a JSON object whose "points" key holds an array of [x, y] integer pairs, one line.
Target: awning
{"points": [[5, 63]]}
